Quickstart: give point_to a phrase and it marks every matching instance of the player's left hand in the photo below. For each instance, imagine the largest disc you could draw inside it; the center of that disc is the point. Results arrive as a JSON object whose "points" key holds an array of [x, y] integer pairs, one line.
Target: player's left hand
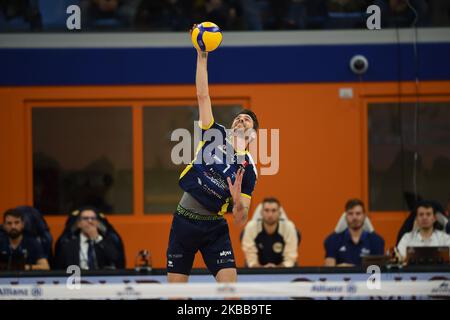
{"points": [[235, 189]]}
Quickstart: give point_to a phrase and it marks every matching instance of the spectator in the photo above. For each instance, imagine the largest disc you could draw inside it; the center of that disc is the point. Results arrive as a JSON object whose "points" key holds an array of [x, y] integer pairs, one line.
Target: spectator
{"points": [[397, 13], [297, 14], [271, 14], [425, 235], [164, 15], [251, 12], [36, 227], [346, 14], [410, 223], [271, 242], [347, 248], [88, 249], [108, 14], [20, 15], [223, 13], [18, 250]]}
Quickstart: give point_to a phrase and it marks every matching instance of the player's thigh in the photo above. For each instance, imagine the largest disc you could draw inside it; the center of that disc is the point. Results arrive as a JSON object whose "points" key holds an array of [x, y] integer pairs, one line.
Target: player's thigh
{"points": [[217, 252], [184, 241], [226, 275]]}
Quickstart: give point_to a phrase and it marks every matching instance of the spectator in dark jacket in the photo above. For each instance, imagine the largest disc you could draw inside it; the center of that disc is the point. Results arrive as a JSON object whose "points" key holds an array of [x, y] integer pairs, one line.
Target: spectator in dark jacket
{"points": [[88, 248], [18, 250]]}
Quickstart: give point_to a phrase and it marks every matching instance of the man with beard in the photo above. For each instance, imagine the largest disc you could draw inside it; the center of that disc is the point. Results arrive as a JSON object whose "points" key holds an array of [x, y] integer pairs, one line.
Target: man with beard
{"points": [[271, 242], [17, 248], [348, 247], [425, 235]]}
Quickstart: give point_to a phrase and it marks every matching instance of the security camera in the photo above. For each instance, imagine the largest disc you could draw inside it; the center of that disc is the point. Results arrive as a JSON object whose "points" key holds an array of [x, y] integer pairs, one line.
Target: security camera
{"points": [[359, 64]]}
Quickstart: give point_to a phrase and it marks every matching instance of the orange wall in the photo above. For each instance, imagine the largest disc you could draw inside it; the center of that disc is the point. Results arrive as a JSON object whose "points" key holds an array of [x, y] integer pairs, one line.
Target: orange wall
{"points": [[323, 153]]}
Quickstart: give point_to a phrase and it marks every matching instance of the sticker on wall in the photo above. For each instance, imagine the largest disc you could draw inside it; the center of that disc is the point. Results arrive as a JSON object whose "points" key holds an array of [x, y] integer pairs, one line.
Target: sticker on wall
{"points": [[346, 93]]}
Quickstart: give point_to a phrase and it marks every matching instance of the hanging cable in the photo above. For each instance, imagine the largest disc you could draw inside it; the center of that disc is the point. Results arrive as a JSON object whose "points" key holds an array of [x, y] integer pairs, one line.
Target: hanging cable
{"points": [[400, 114], [416, 107]]}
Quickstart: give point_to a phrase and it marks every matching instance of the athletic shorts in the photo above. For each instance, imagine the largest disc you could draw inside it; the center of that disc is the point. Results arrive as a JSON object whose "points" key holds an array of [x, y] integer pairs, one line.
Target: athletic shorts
{"points": [[187, 236]]}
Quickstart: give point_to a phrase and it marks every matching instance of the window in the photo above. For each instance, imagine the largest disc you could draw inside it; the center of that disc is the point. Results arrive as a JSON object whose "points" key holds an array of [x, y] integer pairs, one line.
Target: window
{"points": [[82, 156], [161, 190], [391, 153]]}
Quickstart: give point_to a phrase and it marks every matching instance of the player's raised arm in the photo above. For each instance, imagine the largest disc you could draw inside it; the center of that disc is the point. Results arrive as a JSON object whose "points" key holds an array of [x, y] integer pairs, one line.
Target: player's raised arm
{"points": [[201, 83]]}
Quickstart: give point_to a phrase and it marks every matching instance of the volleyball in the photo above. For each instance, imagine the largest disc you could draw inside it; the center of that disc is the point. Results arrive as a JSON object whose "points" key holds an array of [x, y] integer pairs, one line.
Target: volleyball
{"points": [[206, 36]]}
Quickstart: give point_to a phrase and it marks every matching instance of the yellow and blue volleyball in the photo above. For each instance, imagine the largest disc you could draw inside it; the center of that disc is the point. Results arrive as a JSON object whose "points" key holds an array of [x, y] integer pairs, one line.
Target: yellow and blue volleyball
{"points": [[206, 36]]}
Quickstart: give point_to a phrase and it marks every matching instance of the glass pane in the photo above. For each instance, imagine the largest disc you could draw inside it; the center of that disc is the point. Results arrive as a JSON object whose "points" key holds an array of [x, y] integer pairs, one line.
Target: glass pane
{"points": [[82, 156], [391, 153], [161, 190]]}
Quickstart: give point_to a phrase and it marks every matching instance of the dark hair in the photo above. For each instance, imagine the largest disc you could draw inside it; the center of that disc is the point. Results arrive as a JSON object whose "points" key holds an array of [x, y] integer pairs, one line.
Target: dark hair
{"points": [[425, 204], [271, 200], [353, 203], [13, 213], [252, 115], [86, 208]]}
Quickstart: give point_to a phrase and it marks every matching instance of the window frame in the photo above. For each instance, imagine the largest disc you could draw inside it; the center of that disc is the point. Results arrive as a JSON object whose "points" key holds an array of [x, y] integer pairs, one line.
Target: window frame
{"points": [[392, 99], [137, 109]]}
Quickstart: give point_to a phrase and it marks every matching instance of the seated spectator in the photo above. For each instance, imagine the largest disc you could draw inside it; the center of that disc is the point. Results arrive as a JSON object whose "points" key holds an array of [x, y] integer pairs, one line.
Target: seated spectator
{"points": [[36, 227], [20, 15], [346, 14], [426, 234], [19, 251], [410, 224], [88, 248], [347, 248], [271, 242], [108, 14], [258, 213], [397, 13], [223, 13], [164, 15]]}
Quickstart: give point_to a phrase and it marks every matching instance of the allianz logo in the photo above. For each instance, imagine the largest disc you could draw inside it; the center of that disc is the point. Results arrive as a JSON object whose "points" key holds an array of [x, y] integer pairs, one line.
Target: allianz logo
{"points": [[324, 288], [129, 292], [18, 292]]}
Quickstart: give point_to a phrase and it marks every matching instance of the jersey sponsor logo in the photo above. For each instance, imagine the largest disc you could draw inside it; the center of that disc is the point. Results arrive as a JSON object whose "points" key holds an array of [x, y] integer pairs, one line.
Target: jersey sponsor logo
{"points": [[212, 192], [343, 249], [277, 247], [215, 178], [223, 261], [225, 253], [170, 263], [365, 251]]}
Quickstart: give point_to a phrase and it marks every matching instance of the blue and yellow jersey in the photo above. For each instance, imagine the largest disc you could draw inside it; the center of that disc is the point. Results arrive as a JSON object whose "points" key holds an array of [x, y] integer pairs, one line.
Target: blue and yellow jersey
{"points": [[205, 178]]}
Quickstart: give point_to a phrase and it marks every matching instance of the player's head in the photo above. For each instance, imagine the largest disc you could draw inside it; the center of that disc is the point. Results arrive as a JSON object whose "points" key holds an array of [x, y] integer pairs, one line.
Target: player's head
{"points": [[88, 219], [13, 223], [355, 214], [271, 211], [425, 215], [245, 120]]}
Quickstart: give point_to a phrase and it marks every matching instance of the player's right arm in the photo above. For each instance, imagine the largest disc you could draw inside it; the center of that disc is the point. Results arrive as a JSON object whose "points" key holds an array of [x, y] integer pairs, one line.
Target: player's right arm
{"points": [[201, 84]]}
